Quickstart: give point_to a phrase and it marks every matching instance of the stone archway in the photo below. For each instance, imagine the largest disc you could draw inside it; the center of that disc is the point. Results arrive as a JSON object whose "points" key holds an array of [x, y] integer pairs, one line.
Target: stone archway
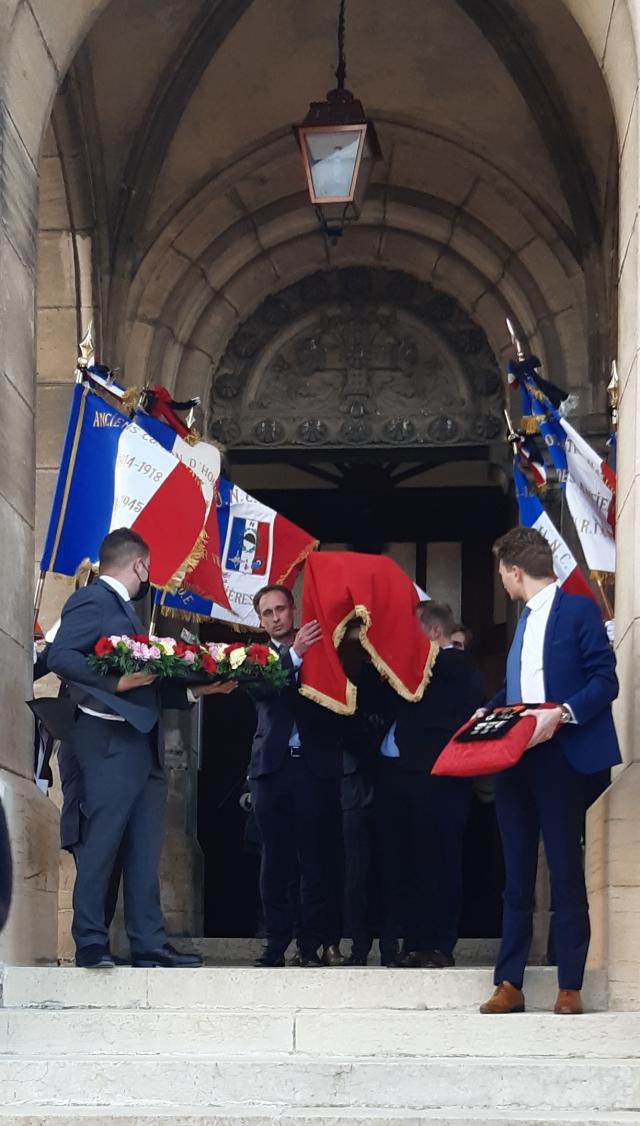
{"points": [[37, 44]]}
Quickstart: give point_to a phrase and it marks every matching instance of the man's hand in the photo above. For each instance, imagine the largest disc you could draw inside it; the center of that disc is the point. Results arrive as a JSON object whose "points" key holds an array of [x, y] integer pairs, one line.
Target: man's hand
{"points": [[135, 680], [547, 722], [307, 636], [479, 713], [219, 688]]}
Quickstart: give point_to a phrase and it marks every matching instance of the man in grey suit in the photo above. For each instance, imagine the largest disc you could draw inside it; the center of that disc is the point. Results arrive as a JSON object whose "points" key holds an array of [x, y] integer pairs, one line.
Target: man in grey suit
{"points": [[117, 743]]}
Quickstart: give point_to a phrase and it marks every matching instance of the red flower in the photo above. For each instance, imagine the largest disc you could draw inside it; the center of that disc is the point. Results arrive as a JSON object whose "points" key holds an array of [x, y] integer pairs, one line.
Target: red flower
{"points": [[103, 647], [258, 654], [141, 637], [235, 645], [208, 664], [180, 649]]}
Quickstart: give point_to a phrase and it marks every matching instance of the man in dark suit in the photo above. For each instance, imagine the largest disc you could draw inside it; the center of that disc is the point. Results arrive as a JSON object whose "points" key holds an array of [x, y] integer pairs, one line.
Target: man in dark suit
{"points": [[559, 654], [421, 818], [295, 772], [117, 743]]}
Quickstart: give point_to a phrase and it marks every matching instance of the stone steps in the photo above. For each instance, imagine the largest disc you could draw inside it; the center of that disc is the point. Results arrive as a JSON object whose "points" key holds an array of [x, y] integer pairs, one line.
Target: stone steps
{"points": [[286, 1081], [318, 1033], [336, 989], [310, 1047]]}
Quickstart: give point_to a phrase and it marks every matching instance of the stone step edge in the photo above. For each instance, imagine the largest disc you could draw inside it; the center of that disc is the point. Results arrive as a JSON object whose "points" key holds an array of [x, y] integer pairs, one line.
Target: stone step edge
{"points": [[315, 1116], [341, 1059]]}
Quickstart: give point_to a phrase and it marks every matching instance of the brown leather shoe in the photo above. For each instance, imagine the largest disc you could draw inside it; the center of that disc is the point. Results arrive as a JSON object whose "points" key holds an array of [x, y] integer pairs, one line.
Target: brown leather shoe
{"points": [[332, 956], [506, 999], [568, 1002]]}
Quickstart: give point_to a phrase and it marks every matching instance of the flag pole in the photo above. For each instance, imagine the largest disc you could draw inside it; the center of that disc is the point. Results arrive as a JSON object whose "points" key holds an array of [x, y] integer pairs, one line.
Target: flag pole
{"points": [[87, 351]]}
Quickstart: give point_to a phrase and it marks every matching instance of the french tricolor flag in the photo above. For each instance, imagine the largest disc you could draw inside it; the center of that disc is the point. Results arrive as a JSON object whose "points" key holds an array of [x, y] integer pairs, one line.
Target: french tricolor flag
{"points": [[115, 475], [533, 515], [204, 577]]}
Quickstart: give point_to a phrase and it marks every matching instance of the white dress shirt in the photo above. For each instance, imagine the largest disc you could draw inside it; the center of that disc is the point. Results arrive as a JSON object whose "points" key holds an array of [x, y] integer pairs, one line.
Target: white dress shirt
{"points": [[531, 660], [531, 665]]}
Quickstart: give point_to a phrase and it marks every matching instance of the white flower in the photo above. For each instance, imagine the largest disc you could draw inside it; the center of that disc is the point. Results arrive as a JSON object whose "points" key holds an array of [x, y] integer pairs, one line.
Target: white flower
{"points": [[237, 658]]}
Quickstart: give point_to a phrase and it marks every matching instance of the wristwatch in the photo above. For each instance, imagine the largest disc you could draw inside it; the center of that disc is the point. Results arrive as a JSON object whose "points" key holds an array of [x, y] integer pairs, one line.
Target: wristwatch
{"points": [[565, 715]]}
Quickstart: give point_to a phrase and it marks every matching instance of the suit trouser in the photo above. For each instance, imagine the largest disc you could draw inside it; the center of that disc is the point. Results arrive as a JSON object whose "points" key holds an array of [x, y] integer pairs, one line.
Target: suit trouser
{"points": [[298, 815], [123, 810], [421, 822], [358, 850], [542, 793]]}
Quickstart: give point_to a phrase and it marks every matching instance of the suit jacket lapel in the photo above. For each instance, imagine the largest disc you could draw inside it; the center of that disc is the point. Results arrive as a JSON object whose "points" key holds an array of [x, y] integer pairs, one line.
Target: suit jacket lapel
{"points": [[128, 609], [548, 638]]}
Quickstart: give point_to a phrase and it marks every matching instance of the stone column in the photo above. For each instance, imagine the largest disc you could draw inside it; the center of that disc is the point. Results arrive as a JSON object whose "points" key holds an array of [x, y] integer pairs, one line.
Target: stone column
{"points": [[31, 932], [613, 825]]}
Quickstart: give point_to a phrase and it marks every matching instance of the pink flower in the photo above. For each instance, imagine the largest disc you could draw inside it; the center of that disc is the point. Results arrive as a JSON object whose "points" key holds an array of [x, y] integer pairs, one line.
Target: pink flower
{"points": [[154, 653], [188, 657]]}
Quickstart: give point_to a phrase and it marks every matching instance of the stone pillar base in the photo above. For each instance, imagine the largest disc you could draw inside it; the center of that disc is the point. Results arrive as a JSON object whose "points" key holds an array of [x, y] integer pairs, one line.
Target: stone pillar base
{"points": [[613, 882], [31, 934]]}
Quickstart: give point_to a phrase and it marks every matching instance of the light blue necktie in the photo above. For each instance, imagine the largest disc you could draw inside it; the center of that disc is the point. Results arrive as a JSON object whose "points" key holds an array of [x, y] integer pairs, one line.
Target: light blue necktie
{"points": [[514, 661]]}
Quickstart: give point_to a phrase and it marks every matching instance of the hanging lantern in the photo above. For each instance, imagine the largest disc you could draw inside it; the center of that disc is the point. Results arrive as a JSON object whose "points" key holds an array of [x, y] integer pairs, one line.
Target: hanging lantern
{"points": [[339, 147]]}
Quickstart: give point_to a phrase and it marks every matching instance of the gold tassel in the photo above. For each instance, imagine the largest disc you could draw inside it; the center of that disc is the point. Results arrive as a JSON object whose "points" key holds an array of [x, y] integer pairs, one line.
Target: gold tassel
{"points": [[192, 438], [529, 423], [130, 399]]}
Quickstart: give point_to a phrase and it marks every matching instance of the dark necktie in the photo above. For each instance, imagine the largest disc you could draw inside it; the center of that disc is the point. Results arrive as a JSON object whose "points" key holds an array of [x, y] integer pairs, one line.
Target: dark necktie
{"points": [[514, 661]]}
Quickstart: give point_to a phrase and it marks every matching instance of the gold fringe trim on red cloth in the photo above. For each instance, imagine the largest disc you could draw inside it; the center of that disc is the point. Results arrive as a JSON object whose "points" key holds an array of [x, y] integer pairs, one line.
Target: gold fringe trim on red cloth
{"points": [[362, 614], [301, 558]]}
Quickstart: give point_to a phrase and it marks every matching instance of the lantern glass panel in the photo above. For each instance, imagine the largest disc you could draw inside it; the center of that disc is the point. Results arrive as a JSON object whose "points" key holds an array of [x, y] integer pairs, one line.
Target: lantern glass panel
{"points": [[333, 160]]}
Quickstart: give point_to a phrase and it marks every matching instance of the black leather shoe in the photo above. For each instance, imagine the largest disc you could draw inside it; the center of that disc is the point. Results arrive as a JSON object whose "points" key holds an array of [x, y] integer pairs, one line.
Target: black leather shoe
{"points": [[270, 959], [435, 959], [356, 960], [308, 960], [408, 960], [332, 955], [94, 958], [166, 956]]}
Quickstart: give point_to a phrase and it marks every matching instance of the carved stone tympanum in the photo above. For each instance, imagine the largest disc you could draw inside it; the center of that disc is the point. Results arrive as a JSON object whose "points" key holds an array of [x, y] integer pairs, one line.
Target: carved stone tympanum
{"points": [[356, 357]]}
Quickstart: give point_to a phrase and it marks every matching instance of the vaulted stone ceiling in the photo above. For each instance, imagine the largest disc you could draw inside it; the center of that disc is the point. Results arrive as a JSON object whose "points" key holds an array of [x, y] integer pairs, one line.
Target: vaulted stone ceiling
{"points": [[496, 185]]}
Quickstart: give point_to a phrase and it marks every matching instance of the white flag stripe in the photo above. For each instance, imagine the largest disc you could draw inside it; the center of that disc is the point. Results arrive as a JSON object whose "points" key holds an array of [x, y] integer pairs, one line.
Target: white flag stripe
{"points": [[589, 499], [563, 561], [142, 467]]}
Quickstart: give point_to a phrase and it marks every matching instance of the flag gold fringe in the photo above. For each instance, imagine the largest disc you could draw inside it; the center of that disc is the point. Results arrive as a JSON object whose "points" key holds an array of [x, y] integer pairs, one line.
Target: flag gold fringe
{"points": [[529, 424], [301, 558], [195, 556], [198, 619]]}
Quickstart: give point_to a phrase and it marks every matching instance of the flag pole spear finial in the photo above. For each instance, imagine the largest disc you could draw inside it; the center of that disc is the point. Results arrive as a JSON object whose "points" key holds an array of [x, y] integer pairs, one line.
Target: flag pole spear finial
{"points": [[613, 394], [87, 353], [515, 340]]}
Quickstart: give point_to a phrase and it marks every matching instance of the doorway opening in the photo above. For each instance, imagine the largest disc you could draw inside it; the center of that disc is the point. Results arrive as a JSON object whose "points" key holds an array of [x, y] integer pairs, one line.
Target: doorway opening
{"points": [[437, 514]]}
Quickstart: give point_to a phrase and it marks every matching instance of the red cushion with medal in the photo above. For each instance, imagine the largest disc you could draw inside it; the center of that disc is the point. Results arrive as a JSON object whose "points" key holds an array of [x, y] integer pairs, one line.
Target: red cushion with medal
{"points": [[488, 745]]}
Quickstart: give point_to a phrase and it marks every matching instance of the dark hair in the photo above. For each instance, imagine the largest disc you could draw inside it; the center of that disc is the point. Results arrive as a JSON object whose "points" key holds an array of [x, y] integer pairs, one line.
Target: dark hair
{"points": [[438, 614], [272, 588], [121, 546], [528, 549]]}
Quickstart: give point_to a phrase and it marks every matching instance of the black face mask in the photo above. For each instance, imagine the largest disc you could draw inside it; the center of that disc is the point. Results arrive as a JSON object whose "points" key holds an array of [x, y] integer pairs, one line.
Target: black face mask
{"points": [[142, 592]]}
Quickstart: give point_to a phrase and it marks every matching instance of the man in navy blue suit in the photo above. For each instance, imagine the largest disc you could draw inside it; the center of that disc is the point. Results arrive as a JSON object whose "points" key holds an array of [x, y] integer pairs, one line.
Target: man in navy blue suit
{"points": [[116, 743], [560, 654], [295, 774]]}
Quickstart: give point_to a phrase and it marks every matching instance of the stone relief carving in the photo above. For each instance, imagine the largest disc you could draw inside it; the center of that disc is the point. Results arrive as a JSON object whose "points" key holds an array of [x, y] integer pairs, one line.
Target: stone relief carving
{"points": [[353, 357]]}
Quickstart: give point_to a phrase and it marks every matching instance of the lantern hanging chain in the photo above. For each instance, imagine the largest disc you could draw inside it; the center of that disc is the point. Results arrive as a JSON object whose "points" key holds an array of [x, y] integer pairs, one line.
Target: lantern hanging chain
{"points": [[341, 69]]}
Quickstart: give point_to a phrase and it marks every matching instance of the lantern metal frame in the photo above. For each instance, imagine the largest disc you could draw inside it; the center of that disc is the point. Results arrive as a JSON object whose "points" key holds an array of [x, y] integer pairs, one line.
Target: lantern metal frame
{"points": [[341, 112]]}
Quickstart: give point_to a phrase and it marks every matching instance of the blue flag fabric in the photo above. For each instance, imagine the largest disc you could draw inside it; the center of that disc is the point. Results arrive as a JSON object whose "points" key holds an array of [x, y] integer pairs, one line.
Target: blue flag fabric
{"points": [[84, 492]]}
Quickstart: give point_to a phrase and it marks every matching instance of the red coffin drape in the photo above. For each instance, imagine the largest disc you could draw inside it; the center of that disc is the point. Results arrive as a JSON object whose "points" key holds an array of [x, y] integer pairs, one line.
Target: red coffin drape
{"points": [[340, 586]]}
